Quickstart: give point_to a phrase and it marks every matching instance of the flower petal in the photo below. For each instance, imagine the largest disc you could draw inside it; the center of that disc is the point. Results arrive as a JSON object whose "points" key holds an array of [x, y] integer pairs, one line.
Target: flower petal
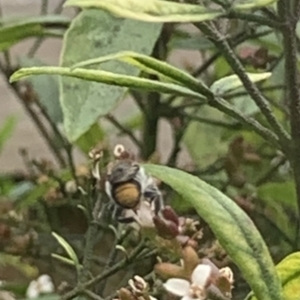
{"points": [[188, 298], [177, 286], [201, 274]]}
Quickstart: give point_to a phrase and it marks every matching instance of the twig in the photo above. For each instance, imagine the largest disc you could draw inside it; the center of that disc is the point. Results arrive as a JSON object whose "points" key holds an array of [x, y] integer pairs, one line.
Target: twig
{"points": [[35, 118], [289, 18], [252, 18], [112, 259], [91, 234], [123, 129], [249, 122], [264, 89], [115, 268], [269, 173], [92, 295], [67, 146], [222, 44], [235, 41], [223, 124]]}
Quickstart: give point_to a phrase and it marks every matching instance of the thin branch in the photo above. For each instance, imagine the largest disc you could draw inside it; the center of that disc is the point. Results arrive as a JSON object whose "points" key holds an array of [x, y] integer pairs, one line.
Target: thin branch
{"points": [[218, 123], [264, 89], [269, 173], [261, 20], [107, 273], [123, 129], [67, 146], [35, 118], [222, 44], [289, 18], [92, 295], [235, 41], [249, 122]]}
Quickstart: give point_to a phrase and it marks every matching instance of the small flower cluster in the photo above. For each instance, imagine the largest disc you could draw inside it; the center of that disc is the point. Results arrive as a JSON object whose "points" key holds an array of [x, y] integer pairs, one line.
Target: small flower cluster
{"points": [[43, 285], [195, 278]]}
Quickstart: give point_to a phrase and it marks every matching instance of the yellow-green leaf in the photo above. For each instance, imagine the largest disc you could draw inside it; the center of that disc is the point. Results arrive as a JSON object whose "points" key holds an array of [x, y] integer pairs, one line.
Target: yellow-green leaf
{"points": [[99, 33], [154, 66], [108, 78], [289, 273], [252, 4], [232, 82], [152, 10], [232, 227], [14, 30], [69, 250]]}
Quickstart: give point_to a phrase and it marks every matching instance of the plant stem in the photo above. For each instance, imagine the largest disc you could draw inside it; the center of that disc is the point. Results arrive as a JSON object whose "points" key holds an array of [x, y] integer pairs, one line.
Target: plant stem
{"points": [[235, 41], [123, 129], [249, 122], [289, 19], [115, 268], [222, 44], [223, 124], [261, 20], [35, 118]]}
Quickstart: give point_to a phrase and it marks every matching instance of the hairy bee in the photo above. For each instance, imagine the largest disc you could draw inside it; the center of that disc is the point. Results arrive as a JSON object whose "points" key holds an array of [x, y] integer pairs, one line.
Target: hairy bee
{"points": [[128, 184]]}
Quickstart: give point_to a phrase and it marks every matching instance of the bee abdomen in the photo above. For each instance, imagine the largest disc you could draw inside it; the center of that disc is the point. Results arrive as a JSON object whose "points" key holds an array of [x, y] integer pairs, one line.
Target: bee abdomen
{"points": [[127, 195]]}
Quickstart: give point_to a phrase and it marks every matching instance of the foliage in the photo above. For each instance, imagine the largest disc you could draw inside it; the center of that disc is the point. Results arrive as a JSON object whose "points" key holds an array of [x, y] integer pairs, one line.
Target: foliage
{"points": [[234, 113]]}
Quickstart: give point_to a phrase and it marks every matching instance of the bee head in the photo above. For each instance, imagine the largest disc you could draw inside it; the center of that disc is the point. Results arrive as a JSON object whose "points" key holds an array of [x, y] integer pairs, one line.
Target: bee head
{"points": [[123, 171]]}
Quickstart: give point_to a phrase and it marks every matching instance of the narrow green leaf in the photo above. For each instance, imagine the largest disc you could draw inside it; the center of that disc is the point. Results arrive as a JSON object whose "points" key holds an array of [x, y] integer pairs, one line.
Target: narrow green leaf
{"points": [[63, 259], [6, 130], [13, 30], [232, 227], [252, 4], [47, 89], [151, 10], [69, 250], [155, 66], [232, 82], [108, 78], [99, 33]]}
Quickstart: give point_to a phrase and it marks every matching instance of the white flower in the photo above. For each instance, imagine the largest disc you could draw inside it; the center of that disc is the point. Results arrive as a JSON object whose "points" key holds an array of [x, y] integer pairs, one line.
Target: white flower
{"points": [[143, 215], [42, 285], [194, 290]]}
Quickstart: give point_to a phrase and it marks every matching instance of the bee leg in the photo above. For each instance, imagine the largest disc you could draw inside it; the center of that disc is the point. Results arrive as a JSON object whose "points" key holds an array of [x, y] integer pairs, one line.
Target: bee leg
{"points": [[154, 196], [158, 203]]}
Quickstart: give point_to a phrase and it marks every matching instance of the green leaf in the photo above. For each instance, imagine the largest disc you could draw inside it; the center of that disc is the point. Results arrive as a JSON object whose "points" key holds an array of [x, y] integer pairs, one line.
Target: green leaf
{"points": [[289, 274], [200, 148], [13, 31], [108, 78], [252, 4], [63, 259], [91, 138], [281, 205], [47, 89], [69, 250], [152, 65], [151, 10], [98, 33], [232, 227], [232, 82], [6, 130]]}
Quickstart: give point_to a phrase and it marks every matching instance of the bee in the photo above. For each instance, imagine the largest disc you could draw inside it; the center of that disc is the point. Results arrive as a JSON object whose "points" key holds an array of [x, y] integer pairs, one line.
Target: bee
{"points": [[127, 185]]}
